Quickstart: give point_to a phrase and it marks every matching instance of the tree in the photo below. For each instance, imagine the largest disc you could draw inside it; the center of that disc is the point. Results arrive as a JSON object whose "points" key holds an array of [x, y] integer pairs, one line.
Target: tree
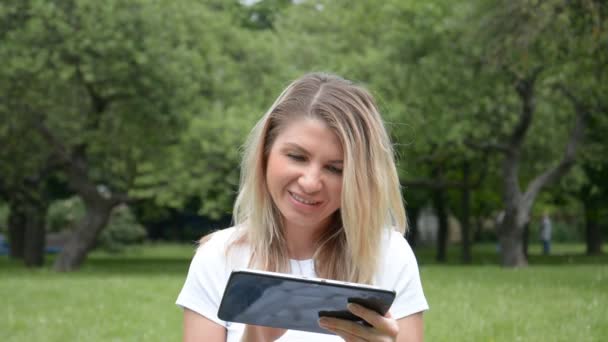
{"points": [[529, 40], [398, 49], [25, 165], [104, 84], [246, 74], [594, 189]]}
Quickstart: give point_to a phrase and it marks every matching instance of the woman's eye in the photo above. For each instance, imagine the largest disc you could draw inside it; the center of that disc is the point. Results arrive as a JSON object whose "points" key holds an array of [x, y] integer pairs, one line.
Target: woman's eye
{"points": [[296, 157], [335, 170]]}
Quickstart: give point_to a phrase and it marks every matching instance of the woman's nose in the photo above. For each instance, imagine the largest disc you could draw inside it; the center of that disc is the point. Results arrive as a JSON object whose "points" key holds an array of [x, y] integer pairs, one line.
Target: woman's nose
{"points": [[310, 180]]}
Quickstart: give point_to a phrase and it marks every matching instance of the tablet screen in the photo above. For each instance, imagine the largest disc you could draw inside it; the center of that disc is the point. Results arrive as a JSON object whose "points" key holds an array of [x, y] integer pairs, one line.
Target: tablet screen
{"points": [[294, 303]]}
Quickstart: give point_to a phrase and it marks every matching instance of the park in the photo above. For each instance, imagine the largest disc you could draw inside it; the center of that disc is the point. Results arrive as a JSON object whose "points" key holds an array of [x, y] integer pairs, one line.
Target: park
{"points": [[123, 124]]}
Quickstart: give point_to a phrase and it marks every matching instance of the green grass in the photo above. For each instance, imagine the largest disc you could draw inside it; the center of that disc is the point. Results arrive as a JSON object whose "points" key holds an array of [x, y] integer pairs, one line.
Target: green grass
{"points": [[129, 297], [544, 303]]}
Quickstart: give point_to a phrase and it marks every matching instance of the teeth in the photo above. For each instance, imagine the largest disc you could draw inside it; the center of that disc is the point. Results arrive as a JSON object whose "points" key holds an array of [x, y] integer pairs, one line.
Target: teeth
{"points": [[300, 199]]}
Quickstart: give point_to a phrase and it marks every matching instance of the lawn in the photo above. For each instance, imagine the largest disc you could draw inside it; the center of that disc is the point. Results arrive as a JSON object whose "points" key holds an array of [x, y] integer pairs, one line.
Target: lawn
{"points": [[129, 297]]}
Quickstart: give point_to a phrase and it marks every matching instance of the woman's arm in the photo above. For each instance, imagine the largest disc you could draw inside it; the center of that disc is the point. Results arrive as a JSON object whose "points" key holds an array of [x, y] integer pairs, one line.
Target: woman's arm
{"points": [[198, 328], [411, 328]]}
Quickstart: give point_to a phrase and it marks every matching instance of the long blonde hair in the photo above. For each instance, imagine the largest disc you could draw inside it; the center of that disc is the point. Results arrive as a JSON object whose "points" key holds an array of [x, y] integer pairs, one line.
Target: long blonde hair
{"points": [[371, 196]]}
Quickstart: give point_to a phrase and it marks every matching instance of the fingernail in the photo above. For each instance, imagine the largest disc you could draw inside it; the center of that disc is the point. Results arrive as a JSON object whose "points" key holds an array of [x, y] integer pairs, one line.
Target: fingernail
{"points": [[352, 306]]}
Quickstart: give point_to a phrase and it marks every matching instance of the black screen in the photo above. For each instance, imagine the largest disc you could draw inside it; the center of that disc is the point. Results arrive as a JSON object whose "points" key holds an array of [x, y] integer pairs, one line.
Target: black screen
{"points": [[294, 304]]}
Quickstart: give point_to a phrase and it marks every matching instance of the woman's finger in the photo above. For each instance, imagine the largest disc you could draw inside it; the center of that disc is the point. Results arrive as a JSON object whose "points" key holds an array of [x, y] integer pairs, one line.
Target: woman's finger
{"points": [[383, 323], [350, 327], [348, 337]]}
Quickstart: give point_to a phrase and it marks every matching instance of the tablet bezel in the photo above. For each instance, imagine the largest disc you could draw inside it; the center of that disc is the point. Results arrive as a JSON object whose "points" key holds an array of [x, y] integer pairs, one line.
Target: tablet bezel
{"points": [[314, 284]]}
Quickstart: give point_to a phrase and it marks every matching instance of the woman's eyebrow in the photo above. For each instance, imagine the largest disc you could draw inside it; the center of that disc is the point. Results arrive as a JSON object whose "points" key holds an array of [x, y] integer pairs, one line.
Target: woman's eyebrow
{"points": [[295, 146], [300, 149]]}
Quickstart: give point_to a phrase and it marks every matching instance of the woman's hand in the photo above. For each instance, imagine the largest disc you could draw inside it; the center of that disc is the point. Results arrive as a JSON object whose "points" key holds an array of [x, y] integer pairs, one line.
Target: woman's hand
{"points": [[256, 333], [383, 328]]}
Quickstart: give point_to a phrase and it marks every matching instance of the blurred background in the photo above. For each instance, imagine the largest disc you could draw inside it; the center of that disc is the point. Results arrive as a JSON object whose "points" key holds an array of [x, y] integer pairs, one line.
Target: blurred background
{"points": [[122, 124]]}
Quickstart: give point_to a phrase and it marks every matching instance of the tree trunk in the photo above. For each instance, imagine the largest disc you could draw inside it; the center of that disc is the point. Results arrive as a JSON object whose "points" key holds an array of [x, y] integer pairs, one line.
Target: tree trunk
{"points": [[442, 235], [412, 233], [593, 233], [512, 251], [35, 233], [518, 205], [16, 226], [466, 240], [526, 239], [27, 219], [99, 200], [510, 237], [83, 239]]}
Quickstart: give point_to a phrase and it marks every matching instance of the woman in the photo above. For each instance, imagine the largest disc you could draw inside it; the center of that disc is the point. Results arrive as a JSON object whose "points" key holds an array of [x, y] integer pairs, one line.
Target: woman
{"points": [[319, 196]]}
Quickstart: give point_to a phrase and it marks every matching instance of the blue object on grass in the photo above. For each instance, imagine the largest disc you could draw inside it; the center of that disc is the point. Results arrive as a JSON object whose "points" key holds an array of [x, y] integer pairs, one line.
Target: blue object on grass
{"points": [[4, 250]]}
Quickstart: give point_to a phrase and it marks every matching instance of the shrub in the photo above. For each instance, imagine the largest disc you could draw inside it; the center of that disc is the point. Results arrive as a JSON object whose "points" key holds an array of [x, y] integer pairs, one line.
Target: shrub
{"points": [[122, 229], [64, 214]]}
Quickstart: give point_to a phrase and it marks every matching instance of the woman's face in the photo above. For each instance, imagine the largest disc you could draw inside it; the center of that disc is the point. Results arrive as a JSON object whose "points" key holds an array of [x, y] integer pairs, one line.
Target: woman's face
{"points": [[304, 174]]}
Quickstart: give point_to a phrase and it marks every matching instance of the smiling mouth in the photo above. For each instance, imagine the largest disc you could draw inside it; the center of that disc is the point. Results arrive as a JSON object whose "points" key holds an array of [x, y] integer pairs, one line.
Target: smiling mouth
{"points": [[302, 200]]}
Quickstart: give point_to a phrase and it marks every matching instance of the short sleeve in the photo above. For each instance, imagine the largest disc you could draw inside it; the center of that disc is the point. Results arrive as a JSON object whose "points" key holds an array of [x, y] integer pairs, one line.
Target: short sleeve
{"points": [[204, 285], [400, 272]]}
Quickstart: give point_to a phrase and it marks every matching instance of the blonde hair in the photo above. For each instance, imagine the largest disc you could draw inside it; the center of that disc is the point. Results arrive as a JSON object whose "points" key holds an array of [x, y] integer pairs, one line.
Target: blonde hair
{"points": [[371, 196]]}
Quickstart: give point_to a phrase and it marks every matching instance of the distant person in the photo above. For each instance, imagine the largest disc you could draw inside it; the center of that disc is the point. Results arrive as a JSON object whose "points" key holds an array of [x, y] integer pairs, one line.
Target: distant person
{"points": [[319, 197], [545, 233]]}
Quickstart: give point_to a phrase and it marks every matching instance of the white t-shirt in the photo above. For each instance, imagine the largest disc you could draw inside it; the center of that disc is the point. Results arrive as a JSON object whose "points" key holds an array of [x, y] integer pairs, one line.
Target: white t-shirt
{"points": [[210, 269]]}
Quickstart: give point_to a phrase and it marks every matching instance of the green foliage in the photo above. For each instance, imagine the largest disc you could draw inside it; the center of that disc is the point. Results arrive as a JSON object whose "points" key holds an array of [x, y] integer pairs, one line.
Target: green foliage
{"points": [[205, 160], [64, 214], [160, 95], [122, 230], [262, 15], [133, 85], [103, 76]]}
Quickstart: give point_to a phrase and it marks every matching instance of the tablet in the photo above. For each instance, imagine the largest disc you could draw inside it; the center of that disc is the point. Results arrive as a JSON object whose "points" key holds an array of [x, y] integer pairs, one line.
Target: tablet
{"points": [[293, 302]]}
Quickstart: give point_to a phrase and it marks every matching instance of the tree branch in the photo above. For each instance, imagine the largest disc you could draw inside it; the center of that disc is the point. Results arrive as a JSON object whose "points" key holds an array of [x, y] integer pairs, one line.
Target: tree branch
{"points": [[525, 90], [75, 165], [58, 148], [118, 198], [99, 103], [487, 146], [482, 174], [433, 184], [568, 159]]}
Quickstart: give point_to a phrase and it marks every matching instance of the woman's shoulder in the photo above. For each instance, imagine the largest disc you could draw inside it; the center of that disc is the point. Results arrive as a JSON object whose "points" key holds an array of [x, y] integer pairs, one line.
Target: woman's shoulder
{"points": [[397, 263], [226, 247], [394, 245], [219, 239]]}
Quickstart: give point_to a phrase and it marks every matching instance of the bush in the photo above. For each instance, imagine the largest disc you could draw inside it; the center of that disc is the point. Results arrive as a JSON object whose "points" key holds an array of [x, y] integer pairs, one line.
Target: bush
{"points": [[122, 229], [64, 214]]}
